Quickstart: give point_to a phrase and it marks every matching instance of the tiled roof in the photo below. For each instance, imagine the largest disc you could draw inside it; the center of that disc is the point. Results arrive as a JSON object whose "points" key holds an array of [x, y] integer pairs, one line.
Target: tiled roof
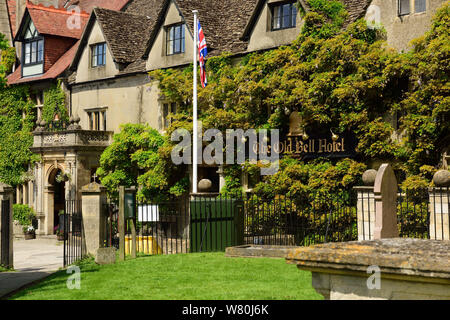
{"points": [[88, 5], [149, 8], [52, 21], [355, 8], [222, 21], [56, 70], [126, 34]]}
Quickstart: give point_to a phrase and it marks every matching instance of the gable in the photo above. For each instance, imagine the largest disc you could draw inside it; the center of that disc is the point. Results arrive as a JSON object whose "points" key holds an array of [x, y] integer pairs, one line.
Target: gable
{"points": [[157, 55], [259, 33], [84, 70]]}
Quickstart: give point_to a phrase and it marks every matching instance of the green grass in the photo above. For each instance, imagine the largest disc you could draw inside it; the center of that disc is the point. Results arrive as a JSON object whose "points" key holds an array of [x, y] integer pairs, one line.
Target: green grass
{"points": [[197, 276], [4, 269]]}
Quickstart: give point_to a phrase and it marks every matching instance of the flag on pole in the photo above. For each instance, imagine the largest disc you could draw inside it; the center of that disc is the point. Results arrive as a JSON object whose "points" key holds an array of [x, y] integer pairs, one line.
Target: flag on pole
{"points": [[202, 52]]}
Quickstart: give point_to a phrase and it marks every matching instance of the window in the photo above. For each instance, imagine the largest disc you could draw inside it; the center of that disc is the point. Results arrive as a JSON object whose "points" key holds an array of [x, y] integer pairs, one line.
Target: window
{"points": [[168, 108], [403, 7], [420, 6], [97, 120], [175, 39], [98, 55], [33, 46], [284, 16]]}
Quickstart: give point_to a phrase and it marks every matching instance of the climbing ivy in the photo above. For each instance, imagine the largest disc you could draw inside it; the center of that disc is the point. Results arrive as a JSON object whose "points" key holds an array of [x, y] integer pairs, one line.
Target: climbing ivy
{"points": [[344, 79], [54, 103], [17, 118]]}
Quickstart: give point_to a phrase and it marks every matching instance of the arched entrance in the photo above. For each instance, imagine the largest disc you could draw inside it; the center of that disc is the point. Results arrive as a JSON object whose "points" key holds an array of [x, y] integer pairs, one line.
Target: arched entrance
{"points": [[59, 195]]}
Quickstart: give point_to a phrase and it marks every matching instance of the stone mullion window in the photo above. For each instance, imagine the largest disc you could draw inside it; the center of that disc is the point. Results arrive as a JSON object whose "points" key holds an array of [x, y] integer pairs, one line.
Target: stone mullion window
{"points": [[168, 108]]}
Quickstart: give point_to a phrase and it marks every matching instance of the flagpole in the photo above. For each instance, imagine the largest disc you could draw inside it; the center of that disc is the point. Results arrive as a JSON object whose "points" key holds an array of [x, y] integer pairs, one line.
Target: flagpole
{"points": [[195, 133]]}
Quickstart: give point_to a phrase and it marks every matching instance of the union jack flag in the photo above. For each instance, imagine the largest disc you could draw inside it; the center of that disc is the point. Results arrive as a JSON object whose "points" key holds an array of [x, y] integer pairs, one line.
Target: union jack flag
{"points": [[202, 52]]}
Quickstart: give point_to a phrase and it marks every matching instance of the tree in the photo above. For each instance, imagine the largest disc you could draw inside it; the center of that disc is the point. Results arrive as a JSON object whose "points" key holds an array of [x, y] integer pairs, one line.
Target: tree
{"points": [[137, 157]]}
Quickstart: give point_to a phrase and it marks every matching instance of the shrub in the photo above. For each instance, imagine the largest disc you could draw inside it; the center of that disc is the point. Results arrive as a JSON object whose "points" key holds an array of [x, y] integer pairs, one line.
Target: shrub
{"points": [[24, 215]]}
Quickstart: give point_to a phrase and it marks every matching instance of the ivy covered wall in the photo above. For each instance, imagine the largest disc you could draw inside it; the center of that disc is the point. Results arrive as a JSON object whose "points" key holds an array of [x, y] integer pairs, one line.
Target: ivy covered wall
{"points": [[341, 79]]}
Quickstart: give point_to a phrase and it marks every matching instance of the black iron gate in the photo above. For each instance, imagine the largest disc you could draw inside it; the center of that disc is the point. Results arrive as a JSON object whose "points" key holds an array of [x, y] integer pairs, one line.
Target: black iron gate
{"points": [[5, 233], [74, 239]]}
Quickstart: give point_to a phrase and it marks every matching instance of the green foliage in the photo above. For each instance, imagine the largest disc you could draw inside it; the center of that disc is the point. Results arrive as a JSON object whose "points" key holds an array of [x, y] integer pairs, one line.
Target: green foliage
{"points": [[8, 58], [139, 156], [54, 103], [17, 118], [24, 215], [348, 80]]}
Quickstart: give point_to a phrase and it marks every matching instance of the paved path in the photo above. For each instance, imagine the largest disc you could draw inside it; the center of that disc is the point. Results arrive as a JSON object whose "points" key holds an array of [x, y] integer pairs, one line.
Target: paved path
{"points": [[33, 260]]}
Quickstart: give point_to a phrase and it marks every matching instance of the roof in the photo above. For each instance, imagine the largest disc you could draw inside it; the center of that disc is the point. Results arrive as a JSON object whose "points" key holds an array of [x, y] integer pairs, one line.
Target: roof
{"points": [[126, 34], [55, 71], [53, 21], [222, 22], [89, 5], [355, 8]]}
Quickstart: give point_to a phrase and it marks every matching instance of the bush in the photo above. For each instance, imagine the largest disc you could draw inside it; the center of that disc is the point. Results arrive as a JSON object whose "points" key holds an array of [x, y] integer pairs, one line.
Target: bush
{"points": [[24, 215]]}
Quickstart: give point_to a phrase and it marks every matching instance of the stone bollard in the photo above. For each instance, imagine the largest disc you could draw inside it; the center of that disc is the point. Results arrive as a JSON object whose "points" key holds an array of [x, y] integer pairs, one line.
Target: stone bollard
{"points": [[385, 190], [366, 206], [439, 206], [6, 226], [94, 219]]}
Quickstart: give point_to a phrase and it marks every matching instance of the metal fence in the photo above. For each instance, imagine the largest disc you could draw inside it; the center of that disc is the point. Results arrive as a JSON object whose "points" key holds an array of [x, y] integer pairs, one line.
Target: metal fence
{"points": [[74, 238], [212, 222], [5, 233]]}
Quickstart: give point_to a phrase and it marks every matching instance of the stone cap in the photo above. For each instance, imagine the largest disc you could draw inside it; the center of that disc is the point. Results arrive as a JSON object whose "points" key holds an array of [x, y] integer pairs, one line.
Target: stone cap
{"points": [[93, 187], [4, 188], [397, 256]]}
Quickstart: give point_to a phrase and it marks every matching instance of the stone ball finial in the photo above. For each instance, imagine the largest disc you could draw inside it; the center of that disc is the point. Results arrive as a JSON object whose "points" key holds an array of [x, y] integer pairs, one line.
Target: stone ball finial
{"points": [[369, 176], [442, 178], [204, 185], [76, 119], [71, 119]]}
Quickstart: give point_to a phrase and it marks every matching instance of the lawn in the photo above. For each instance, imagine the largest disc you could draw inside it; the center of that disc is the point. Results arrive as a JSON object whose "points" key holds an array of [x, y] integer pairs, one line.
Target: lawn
{"points": [[197, 276]]}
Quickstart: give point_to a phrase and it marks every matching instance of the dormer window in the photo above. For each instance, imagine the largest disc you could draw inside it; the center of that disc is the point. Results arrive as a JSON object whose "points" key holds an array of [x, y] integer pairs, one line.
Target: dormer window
{"points": [[98, 55], [284, 16], [32, 51]]}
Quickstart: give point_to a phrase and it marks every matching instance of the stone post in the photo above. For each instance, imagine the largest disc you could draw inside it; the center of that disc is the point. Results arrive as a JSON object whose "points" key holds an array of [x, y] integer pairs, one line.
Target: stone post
{"points": [[366, 206], [439, 206], [6, 225], [94, 220], [121, 226], [385, 190]]}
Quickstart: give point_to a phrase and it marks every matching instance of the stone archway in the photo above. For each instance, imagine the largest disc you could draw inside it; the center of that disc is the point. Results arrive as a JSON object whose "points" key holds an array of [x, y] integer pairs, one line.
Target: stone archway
{"points": [[54, 195]]}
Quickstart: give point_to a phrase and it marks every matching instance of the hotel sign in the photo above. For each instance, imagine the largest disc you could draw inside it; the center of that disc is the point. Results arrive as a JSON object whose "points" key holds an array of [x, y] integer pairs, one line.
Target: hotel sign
{"points": [[314, 147]]}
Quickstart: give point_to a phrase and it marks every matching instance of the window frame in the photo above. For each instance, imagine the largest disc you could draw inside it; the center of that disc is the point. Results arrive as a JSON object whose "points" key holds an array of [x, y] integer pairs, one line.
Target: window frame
{"points": [[95, 55], [36, 40], [181, 39], [168, 108], [292, 17], [425, 10], [399, 7]]}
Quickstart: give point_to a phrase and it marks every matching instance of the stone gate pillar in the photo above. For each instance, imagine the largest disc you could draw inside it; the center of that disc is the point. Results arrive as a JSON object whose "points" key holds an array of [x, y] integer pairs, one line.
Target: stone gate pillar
{"points": [[440, 206], [93, 197], [366, 206], [6, 225]]}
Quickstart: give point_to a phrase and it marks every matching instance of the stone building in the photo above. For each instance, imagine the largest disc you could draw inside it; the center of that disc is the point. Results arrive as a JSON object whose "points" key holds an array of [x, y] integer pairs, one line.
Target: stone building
{"points": [[104, 63]]}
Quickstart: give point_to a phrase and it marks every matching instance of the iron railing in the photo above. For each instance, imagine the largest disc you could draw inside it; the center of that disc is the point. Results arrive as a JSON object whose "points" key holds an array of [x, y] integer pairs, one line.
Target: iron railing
{"points": [[74, 237]]}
